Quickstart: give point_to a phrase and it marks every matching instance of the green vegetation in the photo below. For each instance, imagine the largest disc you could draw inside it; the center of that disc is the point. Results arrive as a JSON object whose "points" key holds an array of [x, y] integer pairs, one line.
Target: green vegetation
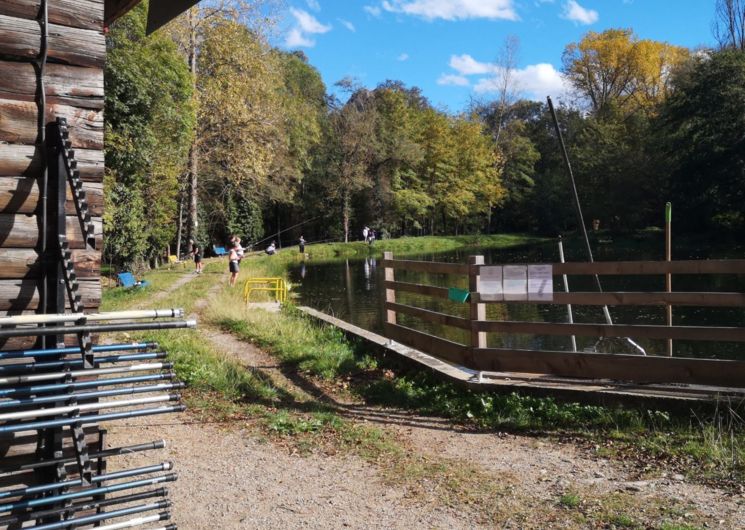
{"points": [[570, 500]]}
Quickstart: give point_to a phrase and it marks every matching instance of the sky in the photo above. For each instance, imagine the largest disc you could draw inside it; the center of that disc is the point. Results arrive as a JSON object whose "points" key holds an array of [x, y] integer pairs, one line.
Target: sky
{"points": [[449, 48]]}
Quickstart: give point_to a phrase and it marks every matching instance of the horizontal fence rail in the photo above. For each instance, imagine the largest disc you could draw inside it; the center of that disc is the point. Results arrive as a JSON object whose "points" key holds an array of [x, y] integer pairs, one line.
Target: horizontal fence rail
{"points": [[628, 367]]}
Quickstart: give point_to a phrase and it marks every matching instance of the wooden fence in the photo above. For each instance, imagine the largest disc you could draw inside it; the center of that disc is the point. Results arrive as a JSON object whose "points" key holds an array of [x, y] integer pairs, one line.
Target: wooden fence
{"points": [[621, 367]]}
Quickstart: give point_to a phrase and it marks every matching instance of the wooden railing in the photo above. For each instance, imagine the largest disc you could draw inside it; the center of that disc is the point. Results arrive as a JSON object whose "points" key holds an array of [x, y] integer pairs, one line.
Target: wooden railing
{"points": [[475, 354]]}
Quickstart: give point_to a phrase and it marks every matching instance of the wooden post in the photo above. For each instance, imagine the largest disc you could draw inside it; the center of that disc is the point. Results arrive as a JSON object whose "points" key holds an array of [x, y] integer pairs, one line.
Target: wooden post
{"points": [[390, 294], [478, 311], [668, 276]]}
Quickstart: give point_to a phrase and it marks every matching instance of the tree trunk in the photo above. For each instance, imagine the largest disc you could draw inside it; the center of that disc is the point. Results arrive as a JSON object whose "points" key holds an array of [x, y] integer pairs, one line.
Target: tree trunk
{"points": [[180, 226], [191, 229], [345, 216]]}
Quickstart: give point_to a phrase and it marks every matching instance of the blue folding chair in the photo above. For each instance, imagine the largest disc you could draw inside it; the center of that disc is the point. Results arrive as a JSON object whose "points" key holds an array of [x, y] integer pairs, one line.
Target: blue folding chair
{"points": [[128, 280], [219, 251]]}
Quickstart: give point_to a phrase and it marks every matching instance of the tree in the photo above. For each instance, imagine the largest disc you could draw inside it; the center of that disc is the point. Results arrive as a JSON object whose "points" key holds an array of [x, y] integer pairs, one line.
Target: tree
{"points": [[729, 25]]}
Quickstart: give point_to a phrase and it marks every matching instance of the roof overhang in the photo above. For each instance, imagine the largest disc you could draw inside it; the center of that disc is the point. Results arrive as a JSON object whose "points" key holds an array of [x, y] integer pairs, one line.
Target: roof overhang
{"points": [[161, 11]]}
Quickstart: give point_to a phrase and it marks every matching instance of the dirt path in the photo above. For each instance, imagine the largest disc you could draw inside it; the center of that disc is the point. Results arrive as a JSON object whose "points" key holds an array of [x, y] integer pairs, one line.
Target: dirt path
{"points": [[233, 478]]}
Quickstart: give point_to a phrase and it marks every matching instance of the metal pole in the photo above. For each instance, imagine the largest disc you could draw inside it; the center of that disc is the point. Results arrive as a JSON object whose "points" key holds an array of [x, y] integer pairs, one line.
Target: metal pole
{"points": [[101, 328], [566, 289], [18, 354], [79, 521], [91, 395], [92, 418], [60, 387], [20, 320], [87, 407], [668, 276], [108, 359], [32, 378], [140, 522]]}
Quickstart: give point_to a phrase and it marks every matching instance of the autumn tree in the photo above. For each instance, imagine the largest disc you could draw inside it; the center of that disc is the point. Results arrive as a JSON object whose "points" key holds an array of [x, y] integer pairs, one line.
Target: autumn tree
{"points": [[729, 25]]}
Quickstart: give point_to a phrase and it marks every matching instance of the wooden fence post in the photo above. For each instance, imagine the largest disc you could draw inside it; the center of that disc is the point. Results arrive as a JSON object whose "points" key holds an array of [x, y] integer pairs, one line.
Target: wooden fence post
{"points": [[390, 294], [478, 311]]}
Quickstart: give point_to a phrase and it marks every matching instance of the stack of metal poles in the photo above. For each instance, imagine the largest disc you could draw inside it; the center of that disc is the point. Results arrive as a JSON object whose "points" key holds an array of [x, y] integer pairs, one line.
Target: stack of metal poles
{"points": [[53, 451]]}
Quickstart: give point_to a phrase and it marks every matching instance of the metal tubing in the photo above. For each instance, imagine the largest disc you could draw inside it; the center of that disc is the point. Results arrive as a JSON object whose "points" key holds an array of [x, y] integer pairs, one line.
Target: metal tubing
{"points": [[87, 407], [69, 363], [104, 490], [91, 418], [81, 396], [21, 320], [80, 506], [116, 451], [61, 387], [100, 328], [140, 522], [79, 521], [165, 466], [32, 378], [18, 354]]}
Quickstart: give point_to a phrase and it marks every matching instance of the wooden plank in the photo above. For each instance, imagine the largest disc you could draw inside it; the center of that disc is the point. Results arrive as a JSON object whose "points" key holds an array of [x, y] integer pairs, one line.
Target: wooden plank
{"points": [[22, 231], [477, 311], [117, 8], [21, 195], [23, 295], [430, 316], [636, 368], [22, 38], [85, 14], [441, 348], [641, 299], [428, 290], [651, 267], [18, 123], [25, 160], [709, 333], [390, 294], [76, 86], [435, 267], [18, 264]]}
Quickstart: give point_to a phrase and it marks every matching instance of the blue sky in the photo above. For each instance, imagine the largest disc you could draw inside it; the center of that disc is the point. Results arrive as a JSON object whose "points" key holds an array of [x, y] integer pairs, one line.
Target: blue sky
{"points": [[448, 47]]}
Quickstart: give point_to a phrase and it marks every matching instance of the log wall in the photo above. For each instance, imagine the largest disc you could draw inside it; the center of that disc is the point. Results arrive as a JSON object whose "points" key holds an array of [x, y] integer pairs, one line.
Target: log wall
{"points": [[74, 90]]}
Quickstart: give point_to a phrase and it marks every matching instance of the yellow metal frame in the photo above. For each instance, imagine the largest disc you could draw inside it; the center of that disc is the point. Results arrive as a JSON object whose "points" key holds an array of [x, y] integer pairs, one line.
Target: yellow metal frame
{"points": [[276, 285]]}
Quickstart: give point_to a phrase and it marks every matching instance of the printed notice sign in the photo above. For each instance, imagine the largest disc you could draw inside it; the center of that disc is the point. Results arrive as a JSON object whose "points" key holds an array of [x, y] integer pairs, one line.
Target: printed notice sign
{"points": [[540, 282], [515, 282], [490, 283]]}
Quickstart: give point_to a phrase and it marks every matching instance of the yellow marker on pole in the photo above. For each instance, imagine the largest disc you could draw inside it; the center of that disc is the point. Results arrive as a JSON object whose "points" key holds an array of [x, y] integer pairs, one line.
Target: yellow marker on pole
{"points": [[668, 276]]}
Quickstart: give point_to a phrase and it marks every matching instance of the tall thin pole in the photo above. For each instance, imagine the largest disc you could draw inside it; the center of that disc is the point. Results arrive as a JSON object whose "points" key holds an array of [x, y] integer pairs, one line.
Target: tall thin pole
{"points": [[668, 276], [570, 317]]}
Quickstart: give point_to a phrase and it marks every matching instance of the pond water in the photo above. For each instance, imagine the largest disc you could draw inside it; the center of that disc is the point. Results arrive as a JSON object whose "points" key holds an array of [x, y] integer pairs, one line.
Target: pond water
{"points": [[352, 289]]}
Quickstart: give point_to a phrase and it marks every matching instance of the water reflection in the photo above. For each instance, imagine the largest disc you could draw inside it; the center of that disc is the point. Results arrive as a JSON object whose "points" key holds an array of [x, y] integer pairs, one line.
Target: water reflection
{"points": [[353, 290]]}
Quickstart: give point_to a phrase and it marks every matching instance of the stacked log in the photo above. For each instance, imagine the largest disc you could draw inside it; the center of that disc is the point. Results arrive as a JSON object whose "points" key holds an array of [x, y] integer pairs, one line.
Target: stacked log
{"points": [[74, 89]]}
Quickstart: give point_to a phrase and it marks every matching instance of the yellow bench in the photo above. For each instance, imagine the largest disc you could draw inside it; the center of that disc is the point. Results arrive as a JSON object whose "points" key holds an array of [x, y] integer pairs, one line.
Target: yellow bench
{"points": [[276, 285]]}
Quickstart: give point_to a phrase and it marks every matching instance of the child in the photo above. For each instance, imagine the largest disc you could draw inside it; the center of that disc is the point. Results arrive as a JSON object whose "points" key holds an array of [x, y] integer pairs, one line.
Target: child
{"points": [[233, 264]]}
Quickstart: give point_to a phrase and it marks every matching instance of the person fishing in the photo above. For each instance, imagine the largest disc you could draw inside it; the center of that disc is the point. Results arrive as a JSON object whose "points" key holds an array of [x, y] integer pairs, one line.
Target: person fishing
{"points": [[234, 263]]}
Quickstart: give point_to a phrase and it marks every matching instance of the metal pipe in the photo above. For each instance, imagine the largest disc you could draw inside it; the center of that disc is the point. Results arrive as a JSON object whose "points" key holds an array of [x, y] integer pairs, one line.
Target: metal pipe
{"points": [[81, 506], [140, 522], [90, 492], [165, 466], [69, 363], [566, 289], [21, 320], [89, 519], [32, 378], [100, 328], [116, 451], [82, 396], [91, 418], [18, 354], [668, 276], [87, 407], [62, 387]]}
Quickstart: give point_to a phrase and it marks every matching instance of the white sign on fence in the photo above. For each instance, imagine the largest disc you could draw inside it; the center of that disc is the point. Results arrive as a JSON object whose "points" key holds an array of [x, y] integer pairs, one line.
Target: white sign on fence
{"points": [[490, 283], [515, 282], [540, 283]]}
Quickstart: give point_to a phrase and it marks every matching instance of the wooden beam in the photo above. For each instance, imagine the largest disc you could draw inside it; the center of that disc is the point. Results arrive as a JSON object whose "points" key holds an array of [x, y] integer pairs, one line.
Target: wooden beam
{"points": [[24, 263], [430, 316], [18, 123], [117, 8], [641, 299], [21, 195], [637, 368], [436, 267], [427, 290], [25, 160], [22, 231], [23, 295], [708, 333], [22, 38], [76, 86], [733, 266], [85, 14], [440, 348]]}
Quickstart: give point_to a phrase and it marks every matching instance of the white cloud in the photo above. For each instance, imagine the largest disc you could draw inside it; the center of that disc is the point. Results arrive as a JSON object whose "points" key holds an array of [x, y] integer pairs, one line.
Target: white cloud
{"points": [[305, 25], [453, 9], [467, 65], [347, 24], [576, 13], [372, 10], [535, 82], [403, 57], [453, 80], [313, 4]]}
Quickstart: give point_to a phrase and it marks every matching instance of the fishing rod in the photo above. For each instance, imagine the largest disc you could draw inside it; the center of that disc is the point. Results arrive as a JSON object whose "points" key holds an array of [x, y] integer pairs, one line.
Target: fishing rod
{"points": [[101, 328], [17, 354], [20, 320], [580, 217], [285, 230], [32, 378], [79, 385], [79, 521], [69, 363]]}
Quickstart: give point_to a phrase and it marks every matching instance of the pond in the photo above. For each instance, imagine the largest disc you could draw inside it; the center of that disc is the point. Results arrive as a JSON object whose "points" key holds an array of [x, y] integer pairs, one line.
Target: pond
{"points": [[351, 289]]}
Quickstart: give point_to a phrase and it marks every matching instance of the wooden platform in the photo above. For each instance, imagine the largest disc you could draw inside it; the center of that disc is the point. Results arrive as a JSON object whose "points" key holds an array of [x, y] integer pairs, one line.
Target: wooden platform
{"points": [[604, 391]]}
